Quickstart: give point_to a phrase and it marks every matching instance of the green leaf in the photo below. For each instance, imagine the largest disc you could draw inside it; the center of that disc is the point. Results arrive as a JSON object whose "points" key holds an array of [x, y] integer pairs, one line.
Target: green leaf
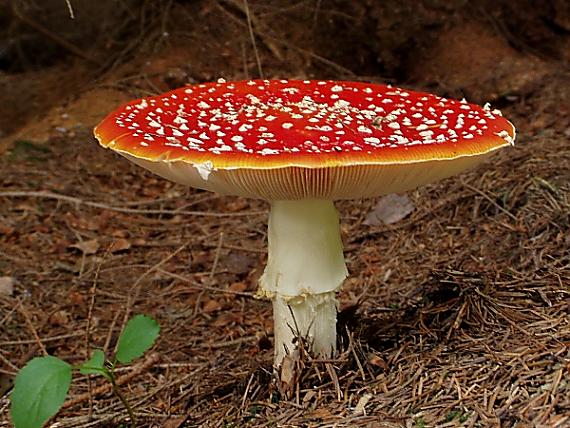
{"points": [[95, 365], [39, 391], [139, 335]]}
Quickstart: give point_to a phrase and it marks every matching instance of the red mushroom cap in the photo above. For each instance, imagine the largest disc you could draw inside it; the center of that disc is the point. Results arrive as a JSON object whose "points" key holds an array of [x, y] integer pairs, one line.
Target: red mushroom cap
{"points": [[282, 139]]}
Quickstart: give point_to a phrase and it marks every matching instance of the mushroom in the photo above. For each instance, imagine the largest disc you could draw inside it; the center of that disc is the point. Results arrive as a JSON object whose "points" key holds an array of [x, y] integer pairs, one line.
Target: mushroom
{"points": [[300, 145]]}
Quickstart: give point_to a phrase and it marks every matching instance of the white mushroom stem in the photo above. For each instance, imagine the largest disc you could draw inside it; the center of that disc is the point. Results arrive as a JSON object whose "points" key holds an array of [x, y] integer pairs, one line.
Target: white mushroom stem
{"points": [[305, 268]]}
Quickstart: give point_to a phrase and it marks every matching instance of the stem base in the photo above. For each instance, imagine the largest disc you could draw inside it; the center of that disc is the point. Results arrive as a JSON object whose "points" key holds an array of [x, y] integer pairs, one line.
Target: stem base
{"points": [[305, 267], [312, 318]]}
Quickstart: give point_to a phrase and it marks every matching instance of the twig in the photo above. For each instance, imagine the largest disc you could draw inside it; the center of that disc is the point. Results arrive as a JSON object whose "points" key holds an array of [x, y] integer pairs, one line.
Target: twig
{"points": [[212, 271], [70, 199], [9, 363], [42, 340], [227, 343], [332, 373], [150, 361], [205, 287], [110, 332], [177, 381], [37, 339], [352, 348], [216, 257], [244, 59], [319, 58], [93, 294], [252, 36], [56, 38], [488, 198], [11, 311], [316, 15], [70, 9], [256, 25], [135, 289], [248, 386]]}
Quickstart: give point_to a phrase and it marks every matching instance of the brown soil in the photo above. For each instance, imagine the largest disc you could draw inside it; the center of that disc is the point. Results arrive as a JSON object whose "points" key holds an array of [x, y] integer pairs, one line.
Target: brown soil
{"points": [[457, 315]]}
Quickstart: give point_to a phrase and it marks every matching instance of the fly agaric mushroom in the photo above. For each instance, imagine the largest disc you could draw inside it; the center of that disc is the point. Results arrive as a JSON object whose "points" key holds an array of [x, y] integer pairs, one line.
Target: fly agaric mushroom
{"points": [[300, 145]]}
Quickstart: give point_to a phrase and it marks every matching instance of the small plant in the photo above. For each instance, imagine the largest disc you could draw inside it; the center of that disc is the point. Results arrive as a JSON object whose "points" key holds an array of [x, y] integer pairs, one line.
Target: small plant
{"points": [[42, 385], [420, 423], [462, 417]]}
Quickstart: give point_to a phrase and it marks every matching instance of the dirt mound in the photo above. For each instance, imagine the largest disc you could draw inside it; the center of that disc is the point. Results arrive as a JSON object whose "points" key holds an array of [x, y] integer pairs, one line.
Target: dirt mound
{"points": [[469, 60]]}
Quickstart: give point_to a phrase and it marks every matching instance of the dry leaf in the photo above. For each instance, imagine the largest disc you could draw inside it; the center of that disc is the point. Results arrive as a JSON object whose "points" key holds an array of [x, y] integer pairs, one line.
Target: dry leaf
{"points": [[87, 247], [378, 361], [120, 233], [59, 318], [389, 209], [360, 408], [212, 306], [238, 287], [120, 244], [6, 285], [76, 298], [237, 205], [82, 222], [6, 230], [289, 370], [321, 413], [309, 396], [173, 423], [223, 319]]}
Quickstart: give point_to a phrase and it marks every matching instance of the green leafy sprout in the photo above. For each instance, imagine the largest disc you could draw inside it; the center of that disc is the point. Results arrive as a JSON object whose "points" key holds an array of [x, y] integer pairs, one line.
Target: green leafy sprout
{"points": [[42, 385]]}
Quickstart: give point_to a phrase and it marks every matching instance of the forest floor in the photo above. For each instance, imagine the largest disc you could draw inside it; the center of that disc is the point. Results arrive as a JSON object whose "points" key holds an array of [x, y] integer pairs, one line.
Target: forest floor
{"points": [[456, 315]]}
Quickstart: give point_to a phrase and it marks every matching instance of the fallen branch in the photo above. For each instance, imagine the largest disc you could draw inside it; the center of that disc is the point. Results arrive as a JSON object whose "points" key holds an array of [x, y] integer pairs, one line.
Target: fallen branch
{"points": [[70, 199]]}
